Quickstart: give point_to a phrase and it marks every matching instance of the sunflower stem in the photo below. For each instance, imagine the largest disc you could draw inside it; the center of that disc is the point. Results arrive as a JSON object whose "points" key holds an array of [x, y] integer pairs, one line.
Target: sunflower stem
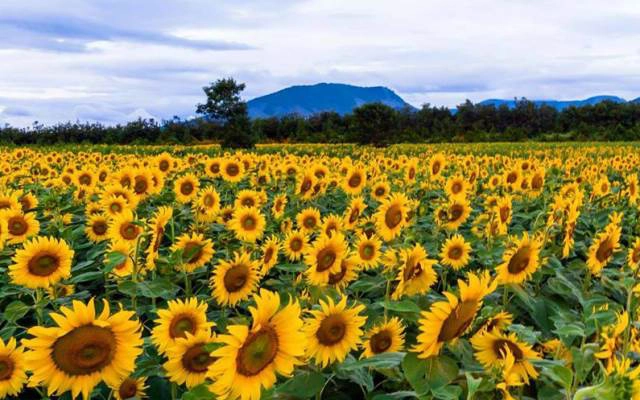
{"points": [[38, 304], [174, 391]]}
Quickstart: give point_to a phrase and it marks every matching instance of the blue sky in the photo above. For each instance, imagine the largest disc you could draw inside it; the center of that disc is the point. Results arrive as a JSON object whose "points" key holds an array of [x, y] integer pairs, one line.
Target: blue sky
{"points": [[112, 61]]}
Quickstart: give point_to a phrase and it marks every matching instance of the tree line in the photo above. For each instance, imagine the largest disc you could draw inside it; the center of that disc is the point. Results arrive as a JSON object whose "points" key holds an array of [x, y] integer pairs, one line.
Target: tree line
{"points": [[224, 118]]}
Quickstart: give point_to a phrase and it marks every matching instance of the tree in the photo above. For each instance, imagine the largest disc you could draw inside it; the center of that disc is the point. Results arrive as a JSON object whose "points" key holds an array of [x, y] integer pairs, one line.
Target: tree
{"points": [[374, 123], [225, 107]]}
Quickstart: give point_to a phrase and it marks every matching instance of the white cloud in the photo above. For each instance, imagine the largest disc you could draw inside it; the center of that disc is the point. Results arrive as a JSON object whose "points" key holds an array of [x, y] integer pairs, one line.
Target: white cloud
{"points": [[435, 51]]}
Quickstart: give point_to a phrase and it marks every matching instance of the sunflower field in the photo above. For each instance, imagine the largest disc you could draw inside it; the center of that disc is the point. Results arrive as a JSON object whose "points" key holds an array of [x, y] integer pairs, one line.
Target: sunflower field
{"points": [[485, 271]]}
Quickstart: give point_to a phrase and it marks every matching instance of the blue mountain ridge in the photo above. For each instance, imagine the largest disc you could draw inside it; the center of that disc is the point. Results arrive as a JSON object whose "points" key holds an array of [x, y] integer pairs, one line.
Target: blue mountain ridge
{"points": [[310, 99], [307, 100]]}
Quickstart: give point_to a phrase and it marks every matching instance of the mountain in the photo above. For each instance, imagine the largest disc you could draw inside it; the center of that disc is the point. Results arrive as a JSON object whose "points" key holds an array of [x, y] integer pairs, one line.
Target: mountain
{"points": [[311, 99], [559, 104], [635, 100]]}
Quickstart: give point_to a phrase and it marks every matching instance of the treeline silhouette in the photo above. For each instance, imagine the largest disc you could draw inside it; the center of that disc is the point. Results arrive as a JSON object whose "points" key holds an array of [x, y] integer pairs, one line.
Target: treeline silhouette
{"points": [[371, 123]]}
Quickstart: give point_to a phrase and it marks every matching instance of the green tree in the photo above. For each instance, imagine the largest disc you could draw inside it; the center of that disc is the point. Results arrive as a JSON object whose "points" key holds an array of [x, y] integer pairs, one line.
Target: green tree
{"points": [[374, 123], [225, 107]]}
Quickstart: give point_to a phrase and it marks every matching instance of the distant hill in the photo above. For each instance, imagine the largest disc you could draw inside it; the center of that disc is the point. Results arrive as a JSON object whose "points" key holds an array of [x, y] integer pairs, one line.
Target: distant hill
{"points": [[559, 104], [308, 100]]}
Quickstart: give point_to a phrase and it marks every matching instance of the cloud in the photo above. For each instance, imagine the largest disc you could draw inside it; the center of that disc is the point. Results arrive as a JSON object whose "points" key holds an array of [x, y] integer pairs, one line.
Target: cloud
{"points": [[110, 61]]}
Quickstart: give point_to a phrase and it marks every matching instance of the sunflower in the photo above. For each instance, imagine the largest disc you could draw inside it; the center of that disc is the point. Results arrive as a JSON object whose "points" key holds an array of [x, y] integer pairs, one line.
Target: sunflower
{"points": [[380, 190], [347, 274], [248, 198], [633, 255], [83, 349], [208, 203], [232, 171], [331, 224], [28, 202], [353, 212], [270, 252], [416, 274], [130, 388], [196, 251], [213, 167], [355, 180], [305, 184], [179, 318], [447, 320], [233, 281], [368, 251], [124, 227], [251, 359], [10, 200], [387, 337], [324, 257], [186, 188], [295, 244], [490, 350], [97, 227], [114, 205], [125, 250], [498, 321], [437, 164], [391, 216], [248, 224], [520, 260], [603, 247], [279, 203], [188, 358], [157, 226], [333, 331], [454, 214], [457, 187], [4, 232], [42, 262], [12, 368], [308, 219], [20, 226], [455, 252]]}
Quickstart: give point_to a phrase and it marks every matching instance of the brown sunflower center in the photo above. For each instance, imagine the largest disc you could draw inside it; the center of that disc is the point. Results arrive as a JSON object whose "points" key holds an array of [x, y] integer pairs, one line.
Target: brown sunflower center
{"points": [[257, 352], [355, 213], [306, 186], [455, 212], [380, 342], [85, 179], [325, 259], [181, 324], [209, 200], [512, 177], [295, 244], [115, 207], [141, 185], [367, 251], [17, 226], [379, 191], [455, 252], [504, 213], [43, 264], [500, 346], [6, 368], [458, 321], [84, 350], [520, 260], [164, 165], [99, 227], [197, 359], [605, 250], [331, 330], [129, 231], [536, 182], [248, 223], [393, 216], [186, 188], [236, 277], [456, 188], [214, 168], [309, 222], [435, 168], [268, 255], [233, 170], [412, 269], [128, 389], [192, 252], [4, 204], [355, 180], [248, 202], [337, 277], [635, 255]]}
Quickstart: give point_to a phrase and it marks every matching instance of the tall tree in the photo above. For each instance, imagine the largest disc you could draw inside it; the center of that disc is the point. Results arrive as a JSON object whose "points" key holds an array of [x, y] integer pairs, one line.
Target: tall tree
{"points": [[224, 106]]}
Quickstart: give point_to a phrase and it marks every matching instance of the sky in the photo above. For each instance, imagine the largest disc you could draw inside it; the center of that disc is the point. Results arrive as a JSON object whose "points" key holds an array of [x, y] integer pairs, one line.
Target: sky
{"points": [[117, 60]]}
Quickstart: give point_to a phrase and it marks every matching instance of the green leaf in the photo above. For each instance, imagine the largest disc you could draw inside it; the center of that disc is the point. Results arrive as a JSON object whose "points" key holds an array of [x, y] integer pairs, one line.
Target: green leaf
{"points": [[401, 306], [473, 384], [449, 392], [15, 310], [200, 392], [415, 369], [160, 287], [383, 360], [114, 259], [303, 385], [87, 277], [562, 375], [403, 394]]}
